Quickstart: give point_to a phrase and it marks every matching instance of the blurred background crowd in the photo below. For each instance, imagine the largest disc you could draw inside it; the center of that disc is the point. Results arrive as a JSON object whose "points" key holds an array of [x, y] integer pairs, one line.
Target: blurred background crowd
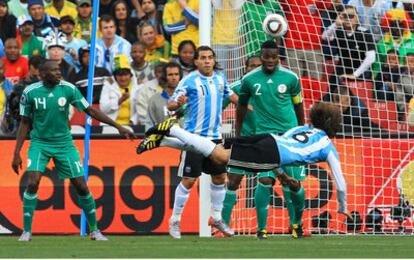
{"points": [[356, 53]]}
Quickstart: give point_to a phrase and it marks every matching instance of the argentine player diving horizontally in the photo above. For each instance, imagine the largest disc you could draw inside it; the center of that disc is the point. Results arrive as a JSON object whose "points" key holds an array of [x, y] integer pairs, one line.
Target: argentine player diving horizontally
{"points": [[299, 146]]}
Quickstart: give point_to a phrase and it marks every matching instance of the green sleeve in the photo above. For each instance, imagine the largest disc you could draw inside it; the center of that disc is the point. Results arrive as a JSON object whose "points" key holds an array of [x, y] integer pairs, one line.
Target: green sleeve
{"points": [[78, 100], [244, 95], [25, 106]]}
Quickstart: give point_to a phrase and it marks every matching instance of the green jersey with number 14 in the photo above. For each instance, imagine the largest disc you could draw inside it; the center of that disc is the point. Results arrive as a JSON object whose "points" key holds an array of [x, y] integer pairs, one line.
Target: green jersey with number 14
{"points": [[48, 109]]}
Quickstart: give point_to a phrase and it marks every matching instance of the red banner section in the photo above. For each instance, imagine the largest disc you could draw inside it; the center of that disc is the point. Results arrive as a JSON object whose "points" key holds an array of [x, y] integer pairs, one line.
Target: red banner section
{"points": [[134, 194]]}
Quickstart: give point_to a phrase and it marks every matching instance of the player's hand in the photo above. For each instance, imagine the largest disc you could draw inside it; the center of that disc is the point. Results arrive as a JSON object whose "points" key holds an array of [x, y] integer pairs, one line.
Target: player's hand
{"points": [[127, 133], [181, 100], [17, 163]]}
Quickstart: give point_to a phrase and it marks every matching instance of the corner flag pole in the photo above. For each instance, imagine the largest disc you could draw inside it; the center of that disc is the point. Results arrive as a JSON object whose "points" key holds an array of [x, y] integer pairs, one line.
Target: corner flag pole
{"points": [[91, 73]]}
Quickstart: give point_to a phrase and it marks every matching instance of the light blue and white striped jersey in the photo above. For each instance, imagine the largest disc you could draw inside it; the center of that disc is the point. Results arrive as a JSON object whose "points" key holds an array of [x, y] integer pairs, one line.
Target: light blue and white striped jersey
{"points": [[304, 144], [105, 57], [204, 104]]}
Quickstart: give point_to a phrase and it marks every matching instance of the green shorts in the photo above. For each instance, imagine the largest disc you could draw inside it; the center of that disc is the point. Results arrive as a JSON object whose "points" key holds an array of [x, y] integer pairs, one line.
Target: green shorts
{"points": [[270, 174], [66, 158], [296, 172]]}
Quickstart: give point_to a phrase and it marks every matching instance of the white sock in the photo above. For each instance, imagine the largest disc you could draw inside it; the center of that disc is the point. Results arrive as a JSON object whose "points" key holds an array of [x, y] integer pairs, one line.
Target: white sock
{"points": [[172, 142], [181, 197], [217, 194], [176, 143], [200, 144]]}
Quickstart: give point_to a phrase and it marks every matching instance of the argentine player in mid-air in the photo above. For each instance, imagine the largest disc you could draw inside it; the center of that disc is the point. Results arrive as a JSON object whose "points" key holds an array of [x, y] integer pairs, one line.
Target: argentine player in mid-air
{"points": [[299, 146]]}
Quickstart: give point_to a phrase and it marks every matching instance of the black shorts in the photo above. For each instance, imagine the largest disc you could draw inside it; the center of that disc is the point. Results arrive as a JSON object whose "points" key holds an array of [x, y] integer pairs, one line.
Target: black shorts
{"points": [[256, 153], [193, 164]]}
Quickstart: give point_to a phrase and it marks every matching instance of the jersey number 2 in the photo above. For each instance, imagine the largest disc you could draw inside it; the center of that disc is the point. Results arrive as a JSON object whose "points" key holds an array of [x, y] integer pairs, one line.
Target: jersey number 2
{"points": [[258, 87]]}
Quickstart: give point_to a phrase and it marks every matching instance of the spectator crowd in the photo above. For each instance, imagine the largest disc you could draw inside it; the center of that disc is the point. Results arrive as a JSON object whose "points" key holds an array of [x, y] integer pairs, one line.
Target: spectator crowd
{"points": [[145, 47]]}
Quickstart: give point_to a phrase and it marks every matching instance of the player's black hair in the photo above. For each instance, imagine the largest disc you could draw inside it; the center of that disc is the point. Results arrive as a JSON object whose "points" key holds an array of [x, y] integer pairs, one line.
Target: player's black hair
{"points": [[269, 45], [327, 117], [207, 48], [170, 64], [203, 48]]}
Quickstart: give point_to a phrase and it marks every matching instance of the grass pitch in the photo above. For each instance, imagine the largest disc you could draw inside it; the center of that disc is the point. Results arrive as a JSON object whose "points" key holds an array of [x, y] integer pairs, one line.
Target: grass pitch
{"points": [[74, 246]]}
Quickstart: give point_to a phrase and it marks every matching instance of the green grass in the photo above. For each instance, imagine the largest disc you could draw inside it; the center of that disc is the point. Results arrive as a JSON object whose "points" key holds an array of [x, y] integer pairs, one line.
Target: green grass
{"points": [[194, 247]]}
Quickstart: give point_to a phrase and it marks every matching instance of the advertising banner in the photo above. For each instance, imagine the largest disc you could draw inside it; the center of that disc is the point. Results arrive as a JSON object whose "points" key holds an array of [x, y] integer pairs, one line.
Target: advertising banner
{"points": [[135, 194]]}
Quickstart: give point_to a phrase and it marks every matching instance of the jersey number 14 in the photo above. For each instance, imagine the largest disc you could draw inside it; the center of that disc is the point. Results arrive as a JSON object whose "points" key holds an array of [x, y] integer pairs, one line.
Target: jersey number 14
{"points": [[40, 101]]}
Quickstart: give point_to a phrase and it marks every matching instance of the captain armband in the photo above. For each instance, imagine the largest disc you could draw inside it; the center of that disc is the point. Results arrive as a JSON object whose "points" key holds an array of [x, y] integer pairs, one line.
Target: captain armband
{"points": [[297, 99]]}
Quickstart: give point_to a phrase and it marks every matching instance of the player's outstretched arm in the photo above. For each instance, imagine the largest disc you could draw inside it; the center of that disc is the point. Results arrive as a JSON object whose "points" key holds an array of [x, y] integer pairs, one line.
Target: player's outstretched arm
{"points": [[20, 138], [335, 166], [101, 117]]}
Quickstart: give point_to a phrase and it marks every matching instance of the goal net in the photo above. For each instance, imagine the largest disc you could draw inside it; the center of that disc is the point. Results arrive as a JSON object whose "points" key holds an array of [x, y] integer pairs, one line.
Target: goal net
{"points": [[334, 64]]}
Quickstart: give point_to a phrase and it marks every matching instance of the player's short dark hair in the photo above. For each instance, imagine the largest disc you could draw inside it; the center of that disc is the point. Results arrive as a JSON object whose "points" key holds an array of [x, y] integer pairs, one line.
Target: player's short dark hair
{"points": [[269, 45], [207, 48], [36, 61], [184, 43], [203, 48], [327, 117]]}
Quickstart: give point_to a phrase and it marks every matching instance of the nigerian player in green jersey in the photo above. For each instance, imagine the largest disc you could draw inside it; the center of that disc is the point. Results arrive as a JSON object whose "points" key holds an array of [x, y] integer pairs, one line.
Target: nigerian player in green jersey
{"points": [[277, 97], [248, 129], [44, 108]]}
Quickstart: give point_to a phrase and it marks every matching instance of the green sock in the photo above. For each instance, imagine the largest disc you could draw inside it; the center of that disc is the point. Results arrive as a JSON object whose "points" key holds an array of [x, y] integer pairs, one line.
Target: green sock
{"points": [[228, 204], [261, 200], [87, 203], [298, 201], [29, 206], [289, 204]]}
